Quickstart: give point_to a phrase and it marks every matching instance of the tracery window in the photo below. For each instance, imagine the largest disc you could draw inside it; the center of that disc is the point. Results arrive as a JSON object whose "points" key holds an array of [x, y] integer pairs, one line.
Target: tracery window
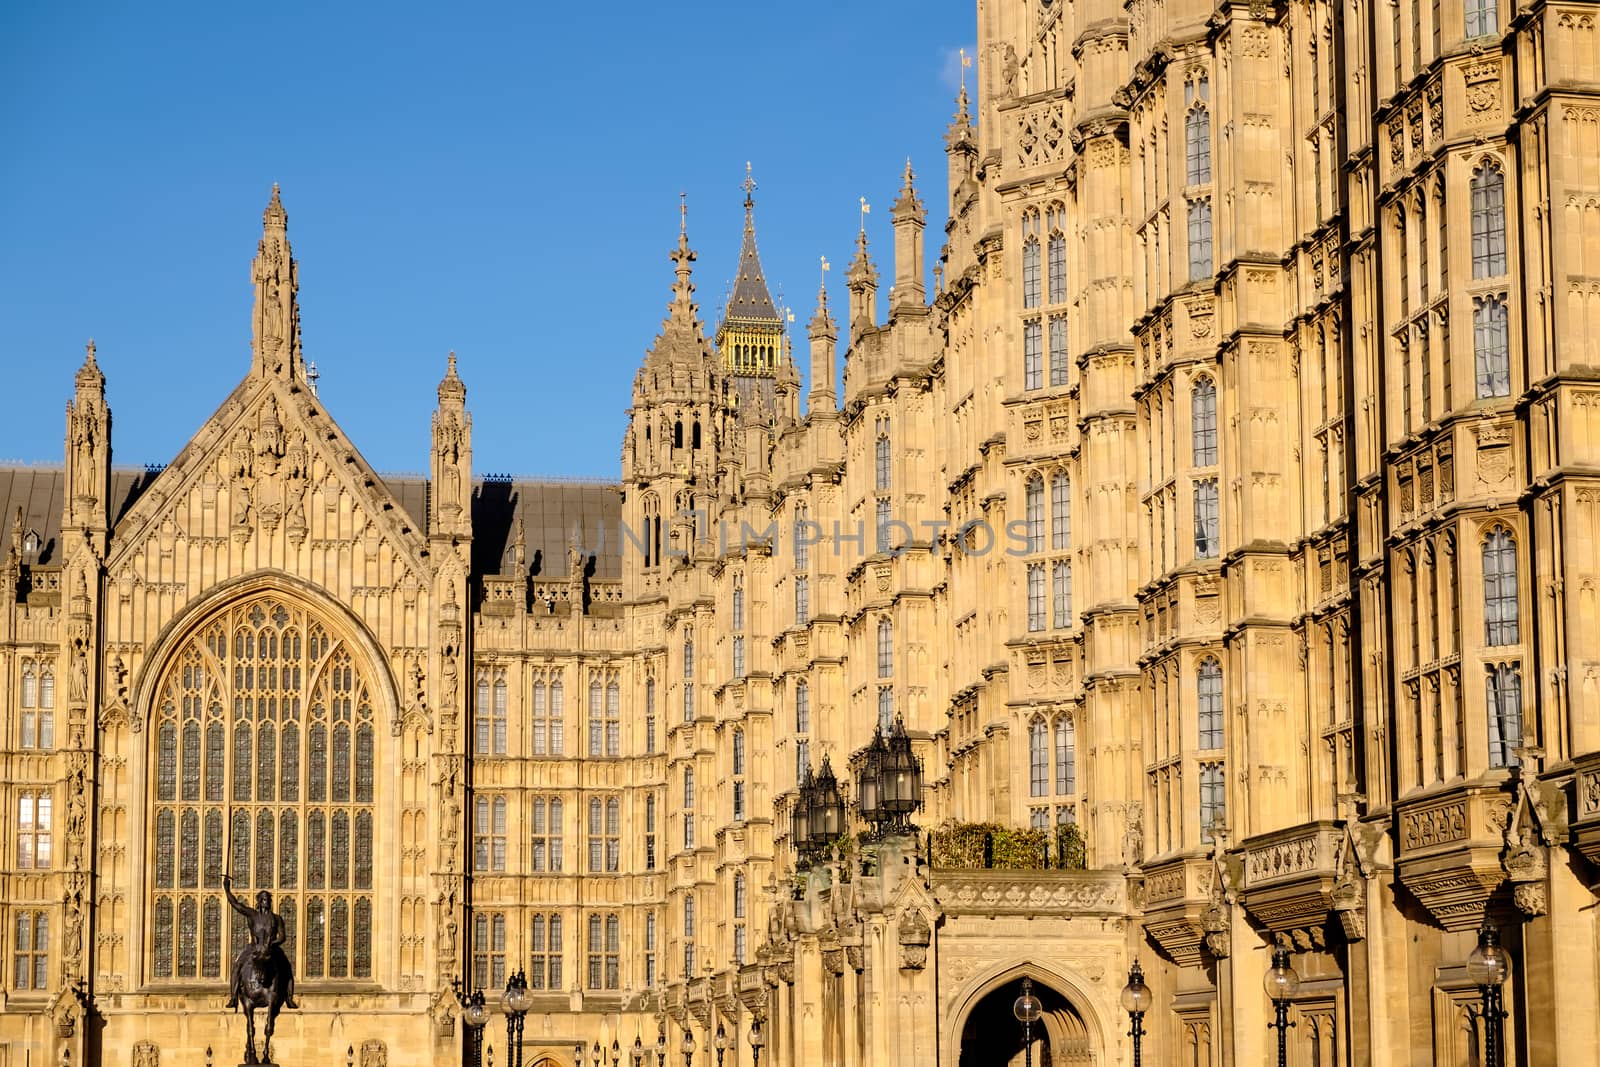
{"points": [[31, 952], [1035, 597], [1030, 260], [649, 716], [1197, 139], [544, 962], [885, 648], [490, 716], [546, 841], [605, 830], [489, 834], [1213, 799], [489, 950], [1061, 594], [881, 458], [688, 676], [1488, 222], [1203, 420], [1505, 714], [264, 768], [1055, 219], [1199, 240], [1209, 683], [1060, 512], [1058, 350], [38, 706], [1207, 522], [1483, 18], [1038, 759], [802, 707], [605, 945], [1033, 513], [33, 832], [1491, 347], [739, 896], [1066, 757], [885, 707], [1032, 355], [1500, 587]]}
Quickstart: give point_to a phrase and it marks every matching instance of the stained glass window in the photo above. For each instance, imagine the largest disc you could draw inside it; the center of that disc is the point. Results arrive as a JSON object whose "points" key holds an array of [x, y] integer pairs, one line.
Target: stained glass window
{"points": [[264, 698]]}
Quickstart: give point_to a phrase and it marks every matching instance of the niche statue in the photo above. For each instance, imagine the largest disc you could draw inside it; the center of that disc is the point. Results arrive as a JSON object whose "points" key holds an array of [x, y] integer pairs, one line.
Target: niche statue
{"points": [[262, 975]]}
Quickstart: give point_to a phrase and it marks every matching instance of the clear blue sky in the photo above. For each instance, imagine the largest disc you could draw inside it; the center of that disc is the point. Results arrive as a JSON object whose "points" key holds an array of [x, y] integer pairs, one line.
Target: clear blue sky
{"points": [[493, 179]]}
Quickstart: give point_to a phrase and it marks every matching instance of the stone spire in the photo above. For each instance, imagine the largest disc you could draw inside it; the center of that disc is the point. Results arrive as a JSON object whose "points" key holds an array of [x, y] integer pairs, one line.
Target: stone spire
{"points": [[909, 218], [862, 279], [682, 337], [276, 321], [823, 334], [750, 336], [961, 148], [88, 451], [451, 459]]}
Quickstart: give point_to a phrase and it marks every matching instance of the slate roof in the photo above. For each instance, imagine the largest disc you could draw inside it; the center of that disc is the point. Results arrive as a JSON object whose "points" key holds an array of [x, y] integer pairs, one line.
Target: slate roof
{"points": [[549, 511], [750, 298]]}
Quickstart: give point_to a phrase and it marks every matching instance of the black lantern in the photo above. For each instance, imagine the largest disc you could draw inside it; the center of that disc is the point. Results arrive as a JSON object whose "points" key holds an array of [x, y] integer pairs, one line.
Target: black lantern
{"points": [[516, 1001], [756, 1041], [721, 1042], [1281, 984], [1136, 1000], [800, 817], [616, 1053], [638, 1050], [594, 1054], [687, 1046], [902, 780], [661, 1046], [827, 809], [1027, 1009], [577, 1054], [474, 1015], [867, 766], [1488, 967]]}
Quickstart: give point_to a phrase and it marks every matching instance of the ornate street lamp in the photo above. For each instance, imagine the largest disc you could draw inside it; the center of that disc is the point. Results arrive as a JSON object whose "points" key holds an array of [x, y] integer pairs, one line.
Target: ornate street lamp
{"points": [[638, 1050], [1027, 1009], [800, 816], [1281, 984], [616, 1053], [721, 1042], [661, 1046], [756, 1041], [1136, 999], [474, 1014], [577, 1054], [827, 809], [688, 1047], [902, 780], [867, 767], [594, 1054], [515, 1003], [1488, 968]]}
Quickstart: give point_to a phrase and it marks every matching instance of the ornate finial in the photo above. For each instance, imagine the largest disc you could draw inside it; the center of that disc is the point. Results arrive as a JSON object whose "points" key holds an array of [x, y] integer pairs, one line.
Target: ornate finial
{"points": [[451, 387], [312, 376], [866, 209], [749, 186], [909, 175], [822, 286], [88, 355], [450, 365], [683, 215], [966, 63]]}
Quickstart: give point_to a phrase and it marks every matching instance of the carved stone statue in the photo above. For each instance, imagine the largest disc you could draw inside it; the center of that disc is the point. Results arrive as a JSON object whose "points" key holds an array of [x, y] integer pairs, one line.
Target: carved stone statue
{"points": [[262, 975]]}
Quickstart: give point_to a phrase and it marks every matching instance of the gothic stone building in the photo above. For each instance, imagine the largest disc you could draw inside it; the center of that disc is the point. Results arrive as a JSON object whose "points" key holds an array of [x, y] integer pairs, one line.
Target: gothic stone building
{"points": [[1270, 331]]}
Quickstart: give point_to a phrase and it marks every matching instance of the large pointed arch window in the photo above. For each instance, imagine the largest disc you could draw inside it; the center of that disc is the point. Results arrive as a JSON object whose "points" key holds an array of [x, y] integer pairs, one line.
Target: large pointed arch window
{"points": [[264, 745]]}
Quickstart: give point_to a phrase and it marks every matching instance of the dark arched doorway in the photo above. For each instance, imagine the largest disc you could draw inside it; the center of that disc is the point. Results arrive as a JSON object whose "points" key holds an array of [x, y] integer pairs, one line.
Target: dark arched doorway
{"points": [[992, 1037]]}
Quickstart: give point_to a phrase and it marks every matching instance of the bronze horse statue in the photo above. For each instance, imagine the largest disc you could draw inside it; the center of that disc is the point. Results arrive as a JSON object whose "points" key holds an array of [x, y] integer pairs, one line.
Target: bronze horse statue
{"points": [[262, 975]]}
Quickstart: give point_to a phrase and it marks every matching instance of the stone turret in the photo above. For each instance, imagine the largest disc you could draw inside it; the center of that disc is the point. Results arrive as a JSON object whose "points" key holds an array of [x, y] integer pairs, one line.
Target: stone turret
{"points": [[910, 217]]}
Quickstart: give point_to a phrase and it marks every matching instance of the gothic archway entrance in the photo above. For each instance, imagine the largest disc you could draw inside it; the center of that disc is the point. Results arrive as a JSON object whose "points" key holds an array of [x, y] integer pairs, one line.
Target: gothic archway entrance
{"points": [[992, 1037]]}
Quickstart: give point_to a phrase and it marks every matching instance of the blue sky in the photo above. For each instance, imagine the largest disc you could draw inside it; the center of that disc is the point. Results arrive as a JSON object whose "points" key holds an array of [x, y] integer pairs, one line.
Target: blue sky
{"points": [[493, 179]]}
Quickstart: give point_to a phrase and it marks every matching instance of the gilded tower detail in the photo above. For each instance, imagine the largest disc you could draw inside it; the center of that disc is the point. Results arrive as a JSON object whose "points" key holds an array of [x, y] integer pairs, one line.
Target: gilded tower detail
{"points": [[1218, 529]]}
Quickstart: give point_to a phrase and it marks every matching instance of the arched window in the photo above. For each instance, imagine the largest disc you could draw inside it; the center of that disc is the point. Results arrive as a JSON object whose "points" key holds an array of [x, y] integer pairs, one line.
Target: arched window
{"points": [[480, 740], [804, 534], [688, 915], [1038, 758], [649, 716], [738, 605], [489, 834], [613, 719], [1210, 703], [881, 468], [688, 788], [1033, 512], [1207, 520], [1491, 347], [677, 434], [696, 433], [885, 648], [802, 707], [596, 723], [1203, 419], [1032, 355], [1066, 757], [1488, 222], [1500, 587], [1055, 220], [688, 676], [738, 752], [1199, 240], [264, 719], [1197, 145], [1030, 271], [558, 718], [1060, 512], [739, 894], [1505, 714]]}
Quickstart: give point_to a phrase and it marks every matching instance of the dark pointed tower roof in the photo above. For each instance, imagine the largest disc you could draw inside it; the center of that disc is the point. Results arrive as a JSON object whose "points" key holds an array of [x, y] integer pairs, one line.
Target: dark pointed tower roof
{"points": [[750, 298]]}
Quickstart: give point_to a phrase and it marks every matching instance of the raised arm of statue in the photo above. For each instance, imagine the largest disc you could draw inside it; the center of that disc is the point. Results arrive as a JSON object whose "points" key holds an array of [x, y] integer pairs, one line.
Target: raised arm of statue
{"points": [[238, 905]]}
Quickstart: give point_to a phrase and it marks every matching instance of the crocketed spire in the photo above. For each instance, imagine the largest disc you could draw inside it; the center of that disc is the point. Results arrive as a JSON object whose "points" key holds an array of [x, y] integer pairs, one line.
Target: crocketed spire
{"points": [[750, 298]]}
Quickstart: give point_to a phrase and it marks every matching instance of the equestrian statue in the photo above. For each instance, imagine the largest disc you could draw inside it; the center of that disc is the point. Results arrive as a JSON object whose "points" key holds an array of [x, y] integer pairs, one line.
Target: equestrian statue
{"points": [[262, 975]]}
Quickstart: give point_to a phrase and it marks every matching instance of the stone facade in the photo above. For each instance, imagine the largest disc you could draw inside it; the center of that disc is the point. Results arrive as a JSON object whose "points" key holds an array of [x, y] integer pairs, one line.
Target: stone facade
{"points": [[1231, 495]]}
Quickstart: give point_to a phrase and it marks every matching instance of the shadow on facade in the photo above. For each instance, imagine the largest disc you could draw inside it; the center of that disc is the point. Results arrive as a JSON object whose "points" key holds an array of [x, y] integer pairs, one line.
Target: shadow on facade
{"points": [[992, 1037]]}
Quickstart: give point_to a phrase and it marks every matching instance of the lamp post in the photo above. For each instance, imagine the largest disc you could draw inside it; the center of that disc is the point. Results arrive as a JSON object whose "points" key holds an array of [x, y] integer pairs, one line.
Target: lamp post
{"points": [[1281, 984], [827, 809], [1488, 968], [474, 1014], [1027, 1010], [661, 1046], [638, 1050], [616, 1053], [687, 1046], [577, 1054], [515, 1003], [901, 775], [867, 767], [756, 1041], [594, 1054], [1136, 998], [800, 816], [721, 1042]]}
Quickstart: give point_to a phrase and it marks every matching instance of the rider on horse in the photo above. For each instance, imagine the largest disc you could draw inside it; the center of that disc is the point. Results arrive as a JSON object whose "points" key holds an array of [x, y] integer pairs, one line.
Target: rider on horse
{"points": [[266, 941]]}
